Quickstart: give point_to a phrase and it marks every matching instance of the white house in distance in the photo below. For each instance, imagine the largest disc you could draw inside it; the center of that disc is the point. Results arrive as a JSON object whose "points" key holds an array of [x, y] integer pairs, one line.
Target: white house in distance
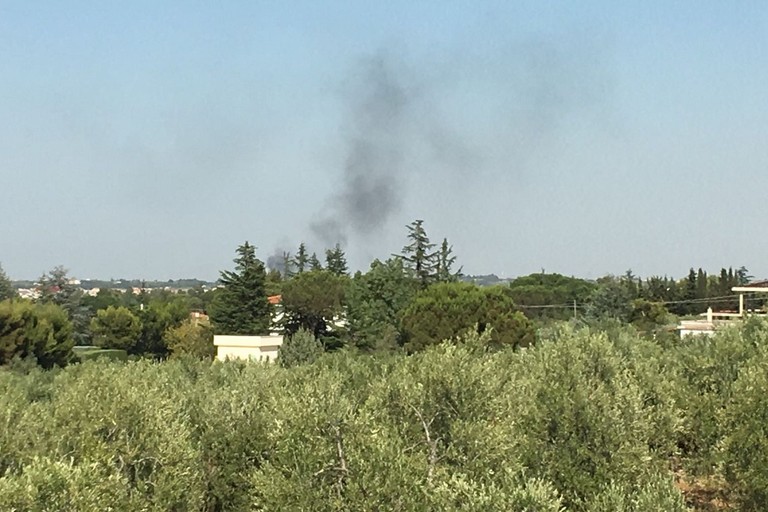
{"points": [[261, 348], [714, 320], [251, 348]]}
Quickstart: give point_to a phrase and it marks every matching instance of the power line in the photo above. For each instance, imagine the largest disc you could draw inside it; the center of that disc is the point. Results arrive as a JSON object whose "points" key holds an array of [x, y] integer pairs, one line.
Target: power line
{"points": [[551, 306], [573, 305], [721, 298]]}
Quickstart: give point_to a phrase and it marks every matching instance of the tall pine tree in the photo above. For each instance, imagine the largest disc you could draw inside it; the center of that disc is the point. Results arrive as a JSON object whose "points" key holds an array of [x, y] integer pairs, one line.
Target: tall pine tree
{"points": [[445, 260], [742, 276], [314, 263], [418, 256], [241, 306], [336, 261], [301, 261], [287, 265], [56, 287]]}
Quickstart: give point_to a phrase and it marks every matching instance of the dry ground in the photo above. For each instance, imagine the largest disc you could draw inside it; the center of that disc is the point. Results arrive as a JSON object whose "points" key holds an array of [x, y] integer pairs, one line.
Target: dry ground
{"points": [[704, 494]]}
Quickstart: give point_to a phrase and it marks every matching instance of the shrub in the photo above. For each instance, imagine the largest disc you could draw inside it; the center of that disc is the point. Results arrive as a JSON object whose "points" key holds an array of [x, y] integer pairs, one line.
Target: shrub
{"points": [[708, 368], [445, 310], [190, 339], [128, 421], [584, 420], [581, 417], [41, 331], [116, 327], [299, 348], [745, 444], [653, 492]]}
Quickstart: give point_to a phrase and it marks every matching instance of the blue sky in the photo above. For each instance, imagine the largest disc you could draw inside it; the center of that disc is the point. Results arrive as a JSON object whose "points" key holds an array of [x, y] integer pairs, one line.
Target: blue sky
{"points": [[149, 139]]}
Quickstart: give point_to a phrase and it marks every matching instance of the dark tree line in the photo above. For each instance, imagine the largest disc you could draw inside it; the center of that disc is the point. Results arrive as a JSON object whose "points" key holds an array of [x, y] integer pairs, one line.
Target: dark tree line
{"points": [[375, 310], [409, 301]]}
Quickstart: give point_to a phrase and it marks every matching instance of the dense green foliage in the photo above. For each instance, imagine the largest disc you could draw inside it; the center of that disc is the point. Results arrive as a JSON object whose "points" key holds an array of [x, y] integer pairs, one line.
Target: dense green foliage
{"points": [[500, 405], [378, 310], [6, 287], [375, 301], [336, 261], [190, 338], [586, 420], [159, 313], [56, 288], [311, 301], [745, 446], [444, 262], [299, 348], [418, 256], [535, 293], [446, 310], [115, 327], [42, 332]]}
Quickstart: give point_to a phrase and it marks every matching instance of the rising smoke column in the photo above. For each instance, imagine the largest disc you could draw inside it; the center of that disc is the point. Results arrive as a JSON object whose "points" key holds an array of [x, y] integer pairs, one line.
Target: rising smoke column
{"points": [[375, 144], [425, 124]]}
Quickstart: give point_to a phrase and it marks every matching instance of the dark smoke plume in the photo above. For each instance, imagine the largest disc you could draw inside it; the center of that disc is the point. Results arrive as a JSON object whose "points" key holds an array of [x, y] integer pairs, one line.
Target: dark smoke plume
{"points": [[408, 126], [374, 155], [276, 261]]}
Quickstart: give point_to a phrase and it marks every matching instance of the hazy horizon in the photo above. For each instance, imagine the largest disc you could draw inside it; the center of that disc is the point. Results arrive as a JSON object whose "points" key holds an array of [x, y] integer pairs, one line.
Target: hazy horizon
{"points": [[150, 139]]}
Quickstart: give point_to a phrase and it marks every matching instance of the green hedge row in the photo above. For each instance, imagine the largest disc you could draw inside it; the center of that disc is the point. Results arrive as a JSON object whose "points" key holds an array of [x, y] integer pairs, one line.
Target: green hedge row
{"points": [[86, 353]]}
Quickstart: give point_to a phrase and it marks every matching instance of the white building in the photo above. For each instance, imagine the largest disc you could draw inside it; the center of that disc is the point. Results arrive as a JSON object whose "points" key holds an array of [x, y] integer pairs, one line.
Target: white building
{"points": [[714, 320], [252, 348]]}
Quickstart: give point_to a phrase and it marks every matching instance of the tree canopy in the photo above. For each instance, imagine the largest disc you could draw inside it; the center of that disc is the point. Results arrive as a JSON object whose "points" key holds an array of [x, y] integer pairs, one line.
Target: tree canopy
{"points": [[116, 327], [445, 310], [55, 287], [542, 289], [444, 261], [241, 307], [336, 261], [312, 300], [6, 288], [375, 302], [40, 331], [418, 256], [190, 338]]}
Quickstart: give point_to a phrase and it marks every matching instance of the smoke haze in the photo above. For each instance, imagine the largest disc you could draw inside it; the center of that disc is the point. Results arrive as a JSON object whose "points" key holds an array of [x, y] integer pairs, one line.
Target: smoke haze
{"points": [[408, 128], [373, 167], [151, 140]]}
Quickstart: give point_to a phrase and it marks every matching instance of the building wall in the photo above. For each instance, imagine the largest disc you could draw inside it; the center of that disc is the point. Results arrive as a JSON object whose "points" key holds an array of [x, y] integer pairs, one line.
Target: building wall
{"points": [[696, 332], [701, 327], [254, 348]]}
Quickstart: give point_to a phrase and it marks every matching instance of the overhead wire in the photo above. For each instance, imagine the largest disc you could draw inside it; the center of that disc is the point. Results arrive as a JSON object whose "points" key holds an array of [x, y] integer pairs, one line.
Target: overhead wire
{"points": [[711, 300]]}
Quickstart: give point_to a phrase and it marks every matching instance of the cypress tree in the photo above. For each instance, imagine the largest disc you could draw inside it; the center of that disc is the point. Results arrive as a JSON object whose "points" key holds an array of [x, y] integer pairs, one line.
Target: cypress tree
{"points": [[701, 285]]}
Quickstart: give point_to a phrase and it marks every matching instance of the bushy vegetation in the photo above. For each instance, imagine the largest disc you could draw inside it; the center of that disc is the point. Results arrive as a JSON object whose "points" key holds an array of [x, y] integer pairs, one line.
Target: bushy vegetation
{"points": [[586, 420], [41, 332], [400, 388]]}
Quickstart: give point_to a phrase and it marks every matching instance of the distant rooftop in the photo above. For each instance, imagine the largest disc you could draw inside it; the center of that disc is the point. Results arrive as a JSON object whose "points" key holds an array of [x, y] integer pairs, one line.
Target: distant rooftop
{"points": [[757, 284]]}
